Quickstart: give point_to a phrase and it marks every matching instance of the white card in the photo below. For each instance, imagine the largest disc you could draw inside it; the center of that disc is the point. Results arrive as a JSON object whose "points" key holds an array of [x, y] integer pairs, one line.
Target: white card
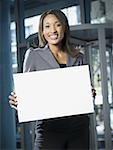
{"points": [[53, 93]]}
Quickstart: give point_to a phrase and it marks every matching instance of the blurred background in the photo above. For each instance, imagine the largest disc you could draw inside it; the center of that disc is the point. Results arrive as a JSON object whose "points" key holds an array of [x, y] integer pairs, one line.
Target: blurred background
{"points": [[91, 24]]}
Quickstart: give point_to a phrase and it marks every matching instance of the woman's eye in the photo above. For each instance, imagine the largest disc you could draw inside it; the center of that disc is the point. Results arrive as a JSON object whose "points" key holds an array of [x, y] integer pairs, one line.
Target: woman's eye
{"points": [[47, 26], [58, 25]]}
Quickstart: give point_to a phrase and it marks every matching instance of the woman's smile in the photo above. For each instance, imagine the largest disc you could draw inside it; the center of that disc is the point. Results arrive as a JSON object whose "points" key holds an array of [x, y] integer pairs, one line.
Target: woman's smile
{"points": [[53, 36]]}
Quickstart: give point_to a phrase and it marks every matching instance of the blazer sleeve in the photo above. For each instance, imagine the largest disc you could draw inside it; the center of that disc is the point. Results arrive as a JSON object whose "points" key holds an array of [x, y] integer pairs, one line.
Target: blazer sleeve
{"points": [[29, 61]]}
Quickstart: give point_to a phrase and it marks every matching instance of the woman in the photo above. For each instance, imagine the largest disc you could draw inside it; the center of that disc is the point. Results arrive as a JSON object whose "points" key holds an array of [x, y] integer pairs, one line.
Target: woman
{"points": [[56, 51]]}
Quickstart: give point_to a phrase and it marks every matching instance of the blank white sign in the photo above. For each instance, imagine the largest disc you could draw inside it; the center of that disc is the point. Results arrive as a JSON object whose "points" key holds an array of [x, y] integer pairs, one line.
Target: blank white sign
{"points": [[53, 93]]}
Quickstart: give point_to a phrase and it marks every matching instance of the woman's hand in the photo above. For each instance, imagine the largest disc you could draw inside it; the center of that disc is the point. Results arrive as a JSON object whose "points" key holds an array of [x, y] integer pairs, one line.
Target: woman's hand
{"points": [[93, 92], [12, 100]]}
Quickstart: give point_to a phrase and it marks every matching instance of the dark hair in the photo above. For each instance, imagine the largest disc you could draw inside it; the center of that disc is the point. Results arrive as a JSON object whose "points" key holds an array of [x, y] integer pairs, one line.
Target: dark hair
{"points": [[66, 46]]}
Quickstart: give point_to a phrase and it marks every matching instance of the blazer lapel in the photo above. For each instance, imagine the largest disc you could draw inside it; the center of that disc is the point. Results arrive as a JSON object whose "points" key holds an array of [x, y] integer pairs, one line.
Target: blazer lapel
{"points": [[71, 61], [48, 57]]}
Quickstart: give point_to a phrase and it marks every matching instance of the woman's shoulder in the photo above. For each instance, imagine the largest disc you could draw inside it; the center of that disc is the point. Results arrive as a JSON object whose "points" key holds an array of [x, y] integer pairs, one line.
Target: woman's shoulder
{"points": [[32, 51], [38, 49], [31, 55]]}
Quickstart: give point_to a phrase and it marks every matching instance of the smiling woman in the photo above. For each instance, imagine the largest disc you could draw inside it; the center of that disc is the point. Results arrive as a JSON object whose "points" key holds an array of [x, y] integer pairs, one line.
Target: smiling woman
{"points": [[56, 51], [53, 33]]}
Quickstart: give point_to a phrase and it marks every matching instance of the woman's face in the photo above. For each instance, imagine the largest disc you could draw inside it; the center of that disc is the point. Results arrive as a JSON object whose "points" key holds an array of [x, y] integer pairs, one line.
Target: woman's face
{"points": [[52, 30]]}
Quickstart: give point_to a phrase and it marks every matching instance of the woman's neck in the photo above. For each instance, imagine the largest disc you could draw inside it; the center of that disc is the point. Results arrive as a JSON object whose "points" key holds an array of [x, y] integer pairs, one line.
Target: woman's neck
{"points": [[59, 55], [55, 48]]}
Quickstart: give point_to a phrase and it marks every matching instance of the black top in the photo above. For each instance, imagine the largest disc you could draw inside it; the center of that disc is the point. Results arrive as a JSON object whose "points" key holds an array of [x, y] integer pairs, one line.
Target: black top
{"points": [[62, 65]]}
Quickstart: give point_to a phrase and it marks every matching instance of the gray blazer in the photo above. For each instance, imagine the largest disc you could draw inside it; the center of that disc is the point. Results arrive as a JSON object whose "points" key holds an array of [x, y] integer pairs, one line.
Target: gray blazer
{"points": [[43, 59]]}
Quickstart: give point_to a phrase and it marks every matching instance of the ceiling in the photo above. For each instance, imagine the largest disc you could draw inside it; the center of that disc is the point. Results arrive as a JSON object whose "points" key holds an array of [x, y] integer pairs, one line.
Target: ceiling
{"points": [[36, 7]]}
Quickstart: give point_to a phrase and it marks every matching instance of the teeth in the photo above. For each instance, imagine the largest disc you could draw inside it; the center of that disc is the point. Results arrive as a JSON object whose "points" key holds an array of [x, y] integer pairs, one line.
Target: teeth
{"points": [[53, 37]]}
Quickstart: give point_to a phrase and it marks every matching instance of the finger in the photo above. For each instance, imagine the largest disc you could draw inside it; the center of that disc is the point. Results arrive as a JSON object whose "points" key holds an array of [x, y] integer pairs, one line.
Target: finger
{"points": [[12, 98], [94, 95], [13, 94], [12, 106], [13, 102]]}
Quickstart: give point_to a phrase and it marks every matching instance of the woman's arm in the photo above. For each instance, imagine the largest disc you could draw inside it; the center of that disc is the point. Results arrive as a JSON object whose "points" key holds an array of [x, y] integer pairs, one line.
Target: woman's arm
{"points": [[27, 67]]}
